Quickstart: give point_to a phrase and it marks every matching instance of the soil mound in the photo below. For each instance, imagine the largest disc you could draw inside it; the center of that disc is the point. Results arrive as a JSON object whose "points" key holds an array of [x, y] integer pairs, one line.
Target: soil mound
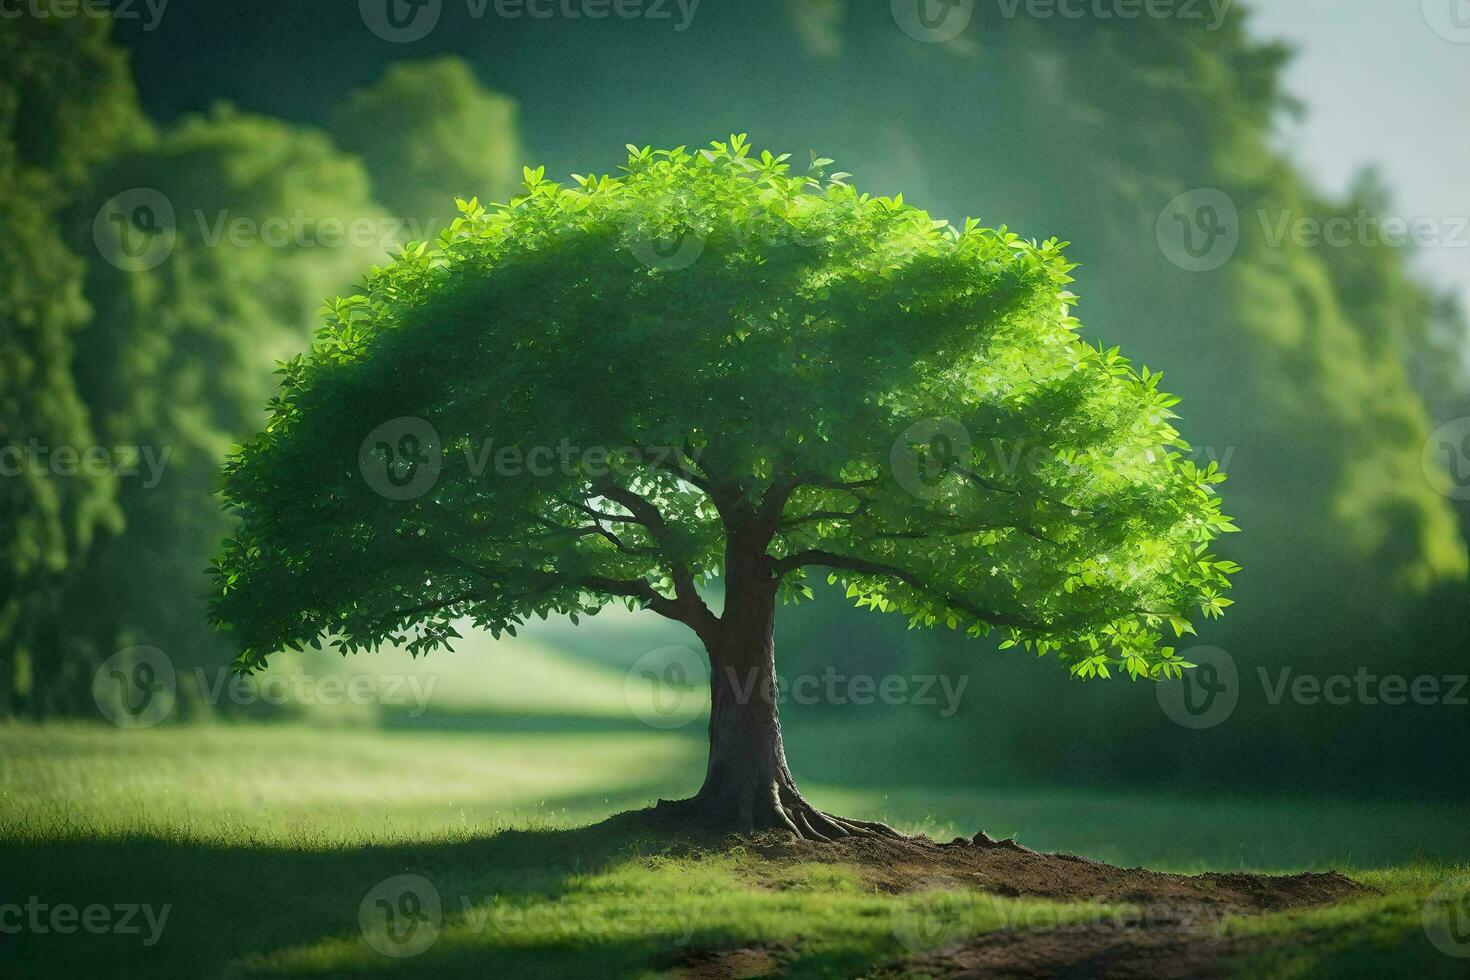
{"points": [[1177, 932]]}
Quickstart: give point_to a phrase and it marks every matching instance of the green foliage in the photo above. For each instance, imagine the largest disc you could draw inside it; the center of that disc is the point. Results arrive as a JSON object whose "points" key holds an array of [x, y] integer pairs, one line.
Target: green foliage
{"points": [[266, 218], [749, 346], [1308, 369], [177, 358], [65, 101], [1313, 340]]}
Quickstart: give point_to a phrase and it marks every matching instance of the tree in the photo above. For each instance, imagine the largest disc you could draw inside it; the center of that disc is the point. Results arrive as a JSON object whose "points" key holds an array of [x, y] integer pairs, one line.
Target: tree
{"points": [[427, 127], [710, 368], [170, 349], [66, 101], [176, 357]]}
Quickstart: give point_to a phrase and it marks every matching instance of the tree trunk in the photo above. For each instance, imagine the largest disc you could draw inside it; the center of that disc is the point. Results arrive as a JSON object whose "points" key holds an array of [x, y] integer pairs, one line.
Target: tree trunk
{"points": [[747, 785]]}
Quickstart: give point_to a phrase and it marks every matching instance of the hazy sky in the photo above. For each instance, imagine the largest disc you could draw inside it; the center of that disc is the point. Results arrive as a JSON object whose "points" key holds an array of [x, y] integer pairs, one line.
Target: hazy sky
{"points": [[1384, 87]]}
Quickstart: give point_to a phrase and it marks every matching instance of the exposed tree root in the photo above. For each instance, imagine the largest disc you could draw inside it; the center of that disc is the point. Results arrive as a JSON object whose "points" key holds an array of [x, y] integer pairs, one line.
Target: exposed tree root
{"points": [[782, 808]]}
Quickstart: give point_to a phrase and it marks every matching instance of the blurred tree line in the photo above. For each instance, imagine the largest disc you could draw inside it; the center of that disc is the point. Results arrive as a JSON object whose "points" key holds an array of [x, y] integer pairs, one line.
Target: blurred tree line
{"points": [[1315, 373], [268, 219]]}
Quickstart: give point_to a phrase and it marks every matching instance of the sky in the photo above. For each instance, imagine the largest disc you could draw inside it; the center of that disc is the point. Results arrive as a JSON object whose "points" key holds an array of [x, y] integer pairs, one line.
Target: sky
{"points": [[1384, 87]]}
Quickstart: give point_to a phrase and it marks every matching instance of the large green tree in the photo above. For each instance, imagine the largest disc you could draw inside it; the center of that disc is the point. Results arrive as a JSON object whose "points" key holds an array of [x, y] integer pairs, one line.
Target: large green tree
{"points": [[725, 371]]}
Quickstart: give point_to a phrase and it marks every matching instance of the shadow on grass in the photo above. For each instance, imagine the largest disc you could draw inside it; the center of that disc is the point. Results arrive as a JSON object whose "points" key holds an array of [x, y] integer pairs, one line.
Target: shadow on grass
{"points": [[228, 903]]}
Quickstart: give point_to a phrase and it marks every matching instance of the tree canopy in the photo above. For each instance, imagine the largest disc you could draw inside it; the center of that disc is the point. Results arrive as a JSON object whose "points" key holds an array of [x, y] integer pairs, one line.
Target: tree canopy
{"points": [[715, 356]]}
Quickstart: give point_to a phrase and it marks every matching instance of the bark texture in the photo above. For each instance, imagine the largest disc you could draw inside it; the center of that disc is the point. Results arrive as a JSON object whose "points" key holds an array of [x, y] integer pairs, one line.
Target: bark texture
{"points": [[747, 784]]}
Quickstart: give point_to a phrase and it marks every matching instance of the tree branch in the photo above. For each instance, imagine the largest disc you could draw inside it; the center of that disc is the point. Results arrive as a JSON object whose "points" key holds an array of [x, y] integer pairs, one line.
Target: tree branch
{"points": [[691, 612], [984, 484], [599, 515], [774, 500], [649, 516], [656, 460]]}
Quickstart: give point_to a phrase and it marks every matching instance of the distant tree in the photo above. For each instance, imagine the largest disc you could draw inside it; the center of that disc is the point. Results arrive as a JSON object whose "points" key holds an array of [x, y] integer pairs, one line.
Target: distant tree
{"points": [[66, 102], [260, 219], [428, 131], [149, 279], [777, 374]]}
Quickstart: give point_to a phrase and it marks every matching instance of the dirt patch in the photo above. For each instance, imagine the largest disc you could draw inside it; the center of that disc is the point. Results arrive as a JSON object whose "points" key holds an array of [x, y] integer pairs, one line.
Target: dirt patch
{"points": [[1128, 954], [730, 964], [1006, 868], [1177, 931]]}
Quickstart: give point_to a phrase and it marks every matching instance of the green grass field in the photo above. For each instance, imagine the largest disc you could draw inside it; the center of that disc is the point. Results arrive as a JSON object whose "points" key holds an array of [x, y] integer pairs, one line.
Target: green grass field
{"points": [[266, 841]]}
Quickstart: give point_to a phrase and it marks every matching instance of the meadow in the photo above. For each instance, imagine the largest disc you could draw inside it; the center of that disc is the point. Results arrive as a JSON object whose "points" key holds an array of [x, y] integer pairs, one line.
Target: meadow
{"points": [[266, 841]]}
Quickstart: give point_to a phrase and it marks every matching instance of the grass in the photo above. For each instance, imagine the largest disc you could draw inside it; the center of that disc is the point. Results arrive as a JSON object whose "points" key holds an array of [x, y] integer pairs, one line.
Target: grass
{"points": [[265, 840], [1386, 935], [269, 843]]}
